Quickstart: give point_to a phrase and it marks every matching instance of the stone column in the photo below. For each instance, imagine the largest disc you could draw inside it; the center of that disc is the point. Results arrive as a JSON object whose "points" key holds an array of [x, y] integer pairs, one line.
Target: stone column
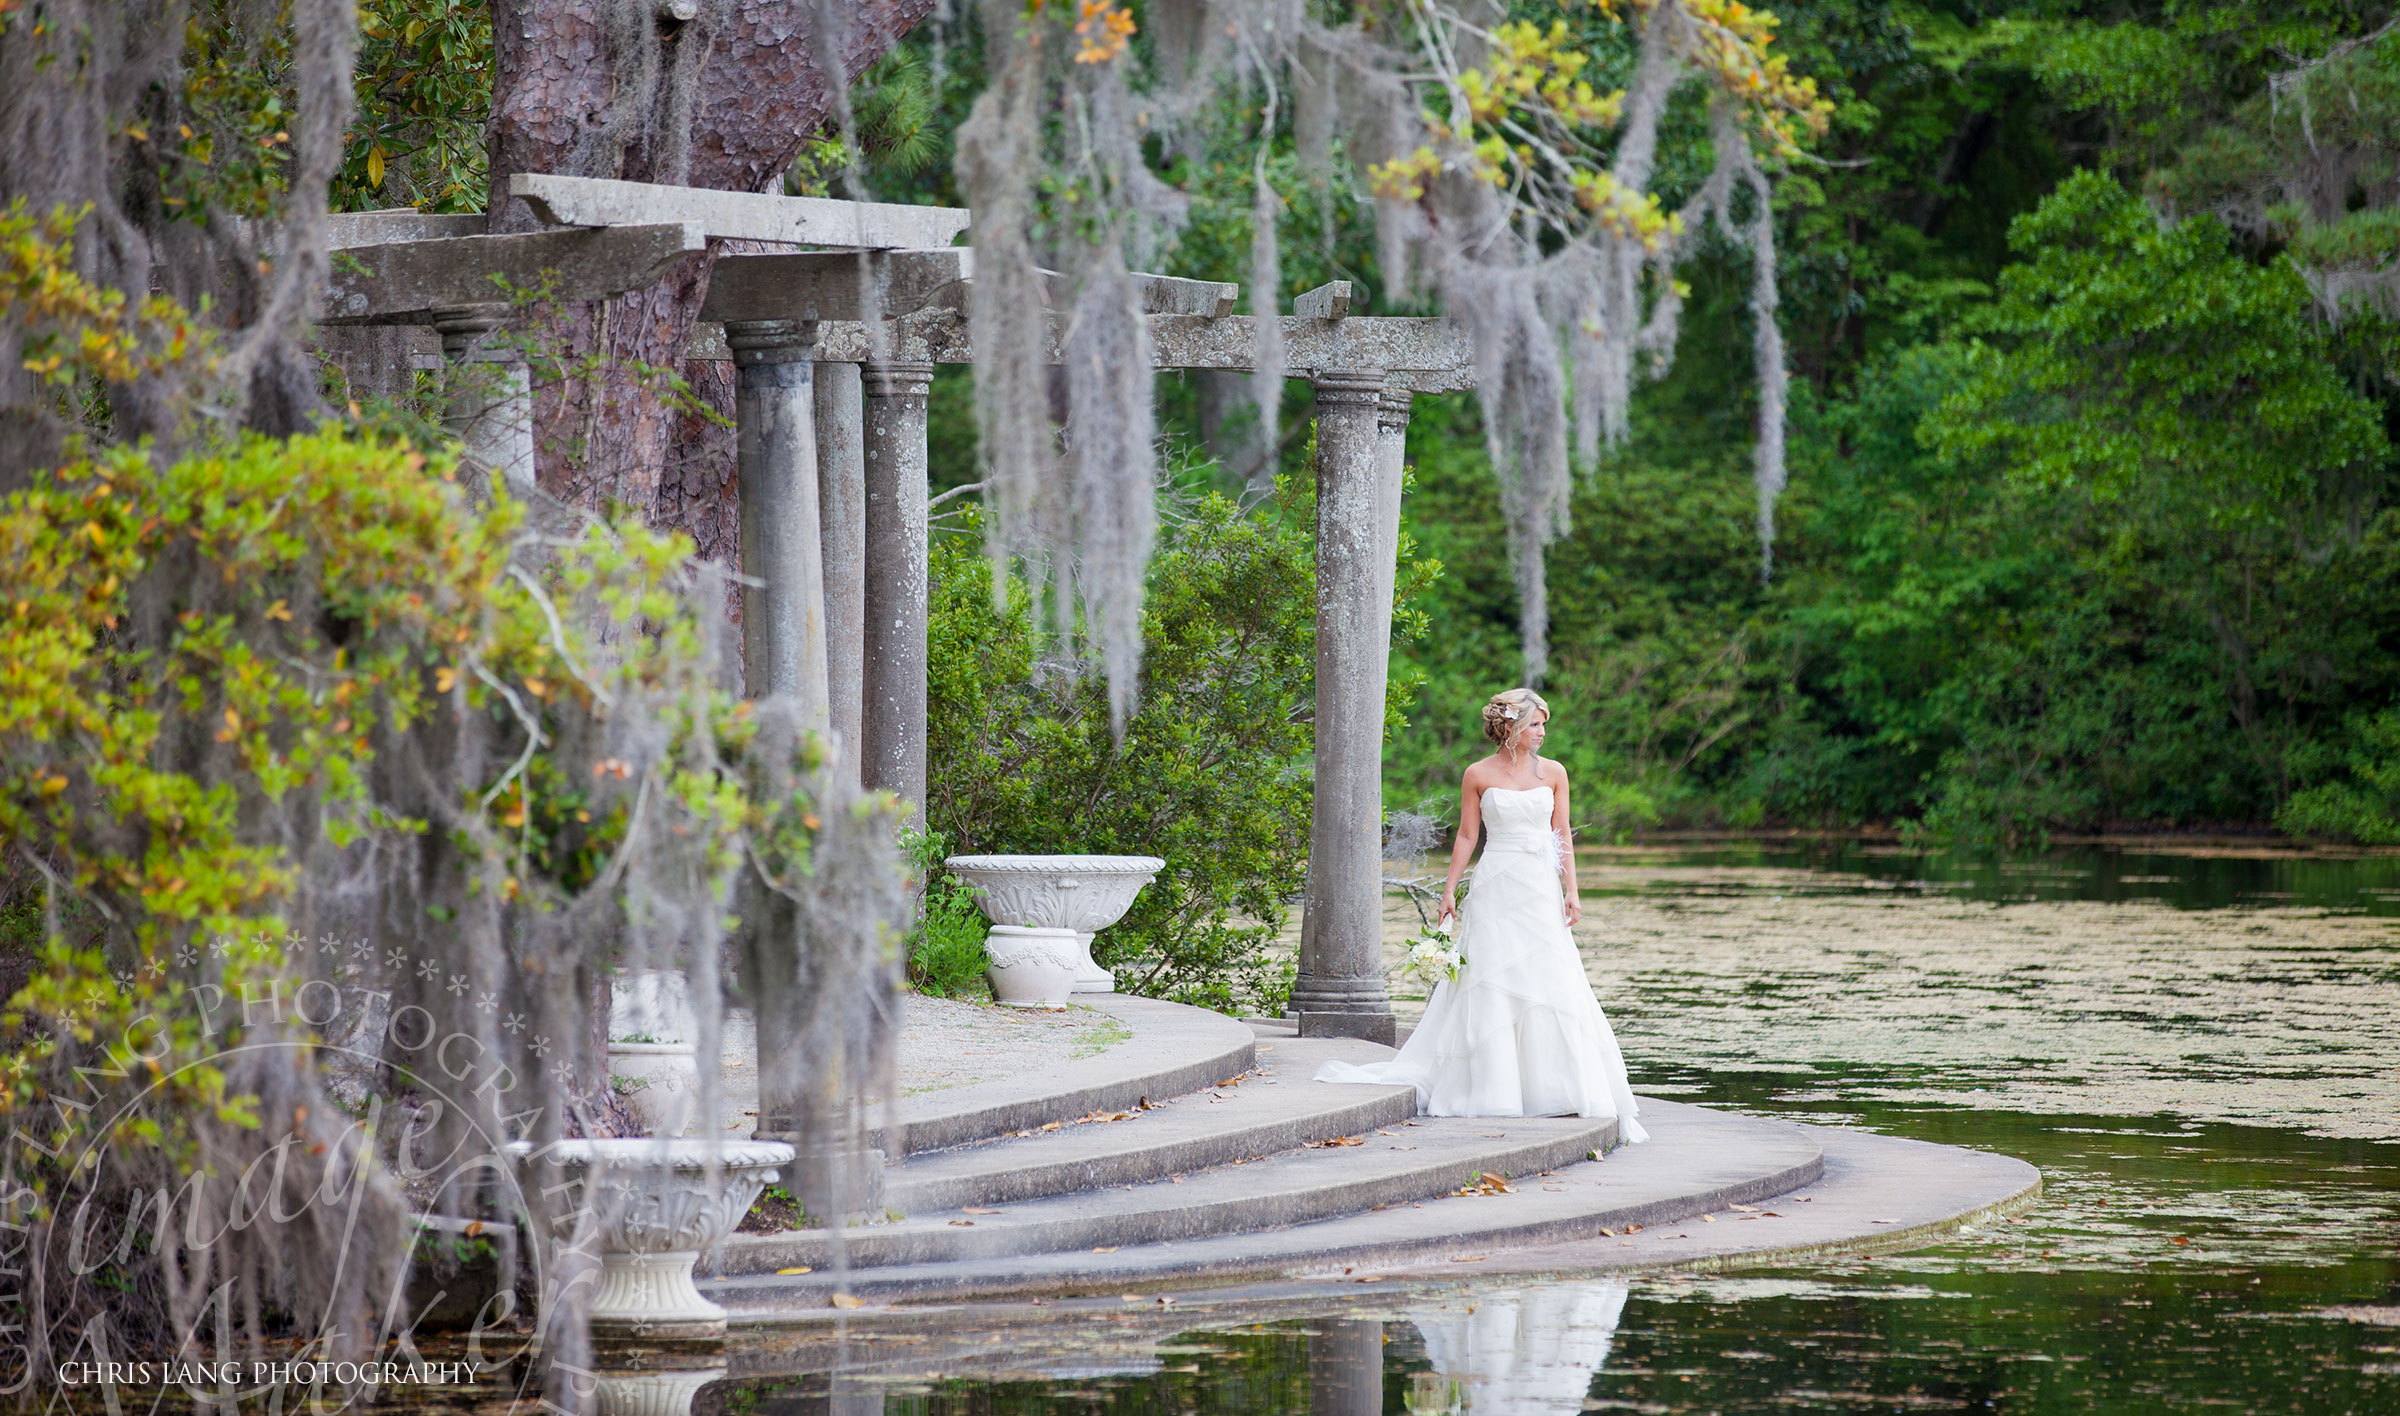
{"points": [[1339, 991], [1345, 1368], [775, 457], [893, 753], [490, 395], [842, 508]]}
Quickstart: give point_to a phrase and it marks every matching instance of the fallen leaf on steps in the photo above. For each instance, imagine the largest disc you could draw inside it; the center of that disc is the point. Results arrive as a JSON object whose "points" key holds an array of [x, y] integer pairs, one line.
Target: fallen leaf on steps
{"points": [[1708, 1219], [844, 1300], [962, 1224], [1468, 1258], [786, 1273], [1052, 1125], [1104, 1248], [1331, 1141], [970, 1209]]}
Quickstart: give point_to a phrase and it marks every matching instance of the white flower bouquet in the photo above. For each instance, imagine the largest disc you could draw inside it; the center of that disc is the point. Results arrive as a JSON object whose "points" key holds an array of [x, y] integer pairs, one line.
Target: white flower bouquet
{"points": [[1433, 956]]}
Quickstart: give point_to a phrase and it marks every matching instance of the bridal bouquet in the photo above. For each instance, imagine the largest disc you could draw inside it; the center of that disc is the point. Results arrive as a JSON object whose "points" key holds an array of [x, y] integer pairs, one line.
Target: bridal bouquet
{"points": [[1432, 956]]}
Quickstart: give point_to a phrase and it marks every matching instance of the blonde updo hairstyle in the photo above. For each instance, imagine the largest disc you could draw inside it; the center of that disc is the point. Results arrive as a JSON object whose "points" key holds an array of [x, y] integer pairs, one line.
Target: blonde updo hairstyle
{"points": [[1508, 713]]}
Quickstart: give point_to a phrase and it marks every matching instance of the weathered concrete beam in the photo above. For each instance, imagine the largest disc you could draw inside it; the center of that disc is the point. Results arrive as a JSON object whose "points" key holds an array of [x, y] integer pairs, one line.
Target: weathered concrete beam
{"points": [[743, 216], [1424, 355], [1330, 301], [378, 228], [1164, 294], [404, 282], [828, 285], [1160, 294]]}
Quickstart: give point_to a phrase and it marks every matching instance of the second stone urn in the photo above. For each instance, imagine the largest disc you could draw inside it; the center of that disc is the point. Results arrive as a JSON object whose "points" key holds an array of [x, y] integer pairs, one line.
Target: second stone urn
{"points": [[1084, 893], [659, 1205]]}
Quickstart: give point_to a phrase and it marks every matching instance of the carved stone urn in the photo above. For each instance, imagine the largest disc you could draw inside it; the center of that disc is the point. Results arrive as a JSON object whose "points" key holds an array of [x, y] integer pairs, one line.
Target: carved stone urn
{"points": [[1084, 893], [658, 1209]]}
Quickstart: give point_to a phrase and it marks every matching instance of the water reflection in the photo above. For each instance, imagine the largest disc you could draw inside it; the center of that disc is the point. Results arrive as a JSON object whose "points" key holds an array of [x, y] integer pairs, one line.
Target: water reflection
{"points": [[1515, 1351]]}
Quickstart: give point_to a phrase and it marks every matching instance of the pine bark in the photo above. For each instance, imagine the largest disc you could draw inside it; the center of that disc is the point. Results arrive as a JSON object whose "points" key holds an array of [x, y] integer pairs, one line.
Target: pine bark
{"points": [[607, 428]]}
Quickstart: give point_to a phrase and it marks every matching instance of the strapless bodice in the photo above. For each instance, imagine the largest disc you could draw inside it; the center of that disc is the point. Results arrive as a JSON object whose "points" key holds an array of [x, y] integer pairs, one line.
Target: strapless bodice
{"points": [[1517, 819]]}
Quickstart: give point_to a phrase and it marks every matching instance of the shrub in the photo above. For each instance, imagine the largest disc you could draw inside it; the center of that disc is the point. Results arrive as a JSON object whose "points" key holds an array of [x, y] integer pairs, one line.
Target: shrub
{"points": [[1211, 774], [945, 949], [2362, 804]]}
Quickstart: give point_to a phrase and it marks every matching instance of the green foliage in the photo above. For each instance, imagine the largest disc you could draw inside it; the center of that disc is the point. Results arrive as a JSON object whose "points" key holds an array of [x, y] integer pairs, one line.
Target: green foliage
{"points": [[424, 92], [893, 112], [945, 948], [1211, 773], [2134, 348], [2361, 802]]}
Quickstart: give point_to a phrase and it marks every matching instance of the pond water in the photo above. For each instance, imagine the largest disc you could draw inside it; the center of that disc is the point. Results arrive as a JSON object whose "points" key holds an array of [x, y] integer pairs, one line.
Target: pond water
{"points": [[2200, 1050]]}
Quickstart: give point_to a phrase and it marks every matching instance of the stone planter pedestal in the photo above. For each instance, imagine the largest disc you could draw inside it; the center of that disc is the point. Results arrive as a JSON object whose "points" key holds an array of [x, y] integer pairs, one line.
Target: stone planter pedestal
{"points": [[657, 1213], [1033, 968], [1084, 893]]}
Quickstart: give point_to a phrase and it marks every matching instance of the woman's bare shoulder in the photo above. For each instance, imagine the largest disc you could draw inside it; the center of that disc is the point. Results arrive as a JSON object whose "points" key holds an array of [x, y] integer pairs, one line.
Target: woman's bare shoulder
{"points": [[1554, 774], [1479, 773]]}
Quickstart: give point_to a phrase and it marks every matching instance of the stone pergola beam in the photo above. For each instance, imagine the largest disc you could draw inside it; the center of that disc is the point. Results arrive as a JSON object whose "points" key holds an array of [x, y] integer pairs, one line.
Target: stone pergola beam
{"points": [[741, 216], [1420, 355], [461, 286], [379, 228], [1330, 301], [829, 285], [406, 282], [1163, 294]]}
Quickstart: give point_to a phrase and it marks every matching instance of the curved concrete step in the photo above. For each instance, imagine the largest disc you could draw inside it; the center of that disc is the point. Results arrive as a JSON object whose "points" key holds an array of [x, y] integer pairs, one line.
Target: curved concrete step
{"points": [[1697, 1162], [1273, 1107], [1173, 1050], [1392, 1166]]}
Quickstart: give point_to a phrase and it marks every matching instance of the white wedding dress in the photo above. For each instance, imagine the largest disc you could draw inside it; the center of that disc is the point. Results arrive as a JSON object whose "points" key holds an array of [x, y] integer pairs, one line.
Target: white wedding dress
{"points": [[1518, 1032]]}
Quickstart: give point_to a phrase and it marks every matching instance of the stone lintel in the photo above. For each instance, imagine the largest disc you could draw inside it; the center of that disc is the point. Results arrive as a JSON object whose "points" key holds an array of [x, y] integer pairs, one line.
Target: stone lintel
{"points": [[1422, 355], [1164, 294], [381, 228], [828, 285], [1160, 294], [746, 216], [404, 282], [1330, 301]]}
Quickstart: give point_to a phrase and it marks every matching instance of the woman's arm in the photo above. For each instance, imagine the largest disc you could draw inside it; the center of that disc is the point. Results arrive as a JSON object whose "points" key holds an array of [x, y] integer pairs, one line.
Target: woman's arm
{"points": [[1565, 836], [1470, 826]]}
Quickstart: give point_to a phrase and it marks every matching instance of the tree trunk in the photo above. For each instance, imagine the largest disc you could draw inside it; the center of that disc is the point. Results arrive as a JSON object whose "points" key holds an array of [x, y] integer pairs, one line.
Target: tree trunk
{"points": [[605, 88]]}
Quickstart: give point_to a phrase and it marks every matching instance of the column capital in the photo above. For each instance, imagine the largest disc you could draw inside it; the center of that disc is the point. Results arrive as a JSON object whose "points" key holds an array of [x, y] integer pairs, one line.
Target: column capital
{"points": [[1348, 385], [1391, 410], [464, 328], [771, 341], [897, 378]]}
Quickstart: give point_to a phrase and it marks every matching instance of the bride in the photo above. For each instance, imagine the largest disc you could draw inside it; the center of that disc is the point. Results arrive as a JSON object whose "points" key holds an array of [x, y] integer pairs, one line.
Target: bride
{"points": [[1518, 1032]]}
